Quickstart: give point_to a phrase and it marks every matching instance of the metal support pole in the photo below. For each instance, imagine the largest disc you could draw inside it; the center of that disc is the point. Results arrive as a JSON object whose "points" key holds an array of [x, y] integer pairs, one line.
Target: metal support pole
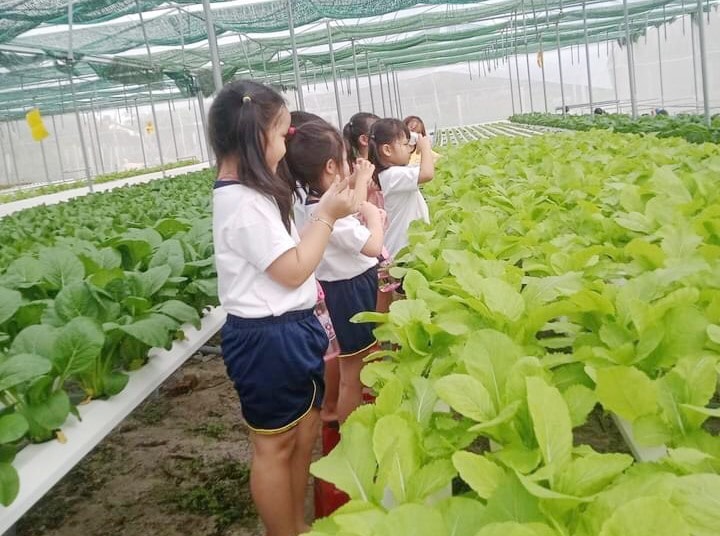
{"points": [[631, 61], [199, 130], [542, 69], [527, 58], [150, 91], [382, 90], [12, 153], [71, 61], [660, 66], [57, 147], [559, 55], [399, 93], [517, 66], [5, 169], [512, 89], [334, 75], [694, 62], [97, 140], [391, 73], [172, 129], [587, 59], [615, 84], [296, 62], [45, 164], [140, 132], [203, 120], [370, 88], [357, 81], [389, 92], [703, 63], [212, 42]]}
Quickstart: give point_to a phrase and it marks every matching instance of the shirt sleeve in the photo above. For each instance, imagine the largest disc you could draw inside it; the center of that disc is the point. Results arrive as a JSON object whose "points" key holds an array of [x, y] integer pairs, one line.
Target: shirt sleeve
{"points": [[400, 179], [348, 233], [257, 233]]}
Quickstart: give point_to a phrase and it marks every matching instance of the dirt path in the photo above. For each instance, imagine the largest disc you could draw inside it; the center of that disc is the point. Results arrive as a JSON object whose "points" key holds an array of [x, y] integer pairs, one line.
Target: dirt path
{"points": [[176, 466]]}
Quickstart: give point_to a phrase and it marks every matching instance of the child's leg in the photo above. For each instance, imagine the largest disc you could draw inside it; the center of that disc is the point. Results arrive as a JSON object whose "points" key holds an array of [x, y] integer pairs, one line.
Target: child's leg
{"points": [[308, 431], [350, 396], [332, 385], [271, 481]]}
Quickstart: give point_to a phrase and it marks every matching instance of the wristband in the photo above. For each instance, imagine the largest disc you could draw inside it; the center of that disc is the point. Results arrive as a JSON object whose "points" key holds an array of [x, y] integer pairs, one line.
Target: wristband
{"points": [[329, 225]]}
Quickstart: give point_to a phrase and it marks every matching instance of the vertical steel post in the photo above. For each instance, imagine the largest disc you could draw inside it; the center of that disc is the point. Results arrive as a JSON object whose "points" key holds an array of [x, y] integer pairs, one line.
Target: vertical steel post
{"points": [[382, 91], [615, 84], [150, 91], [369, 77], [198, 128], [512, 89], [694, 62], [172, 129], [212, 42], [12, 153], [631, 61], [660, 67], [517, 64], [334, 75], [703, 62], [587, 58], [357, 80], [140, 132], [399, 93], [97, 139], [71, 61], [296, 62], [389, 92], [57, 147], [559, 55], [527, 58]]}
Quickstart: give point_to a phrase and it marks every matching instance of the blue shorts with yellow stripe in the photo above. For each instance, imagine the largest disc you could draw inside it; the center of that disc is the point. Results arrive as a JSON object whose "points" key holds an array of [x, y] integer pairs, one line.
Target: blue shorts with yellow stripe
{"points": [[276, 364]]}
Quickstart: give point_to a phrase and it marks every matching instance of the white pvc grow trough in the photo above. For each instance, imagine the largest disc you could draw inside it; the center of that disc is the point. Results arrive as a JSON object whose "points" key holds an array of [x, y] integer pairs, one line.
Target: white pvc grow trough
{"points": [[42, 466]]}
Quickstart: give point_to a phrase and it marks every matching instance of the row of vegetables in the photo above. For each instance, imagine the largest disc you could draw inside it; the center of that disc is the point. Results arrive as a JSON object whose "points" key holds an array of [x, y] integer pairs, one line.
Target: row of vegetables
{"points": [[86, 289], [692, 128], [561, 273]]}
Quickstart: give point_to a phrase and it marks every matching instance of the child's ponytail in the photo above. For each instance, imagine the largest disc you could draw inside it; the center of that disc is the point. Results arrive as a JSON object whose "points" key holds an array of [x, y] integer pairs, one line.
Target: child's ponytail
{"points": [[359, 125], [309, 148], [238, 122]]}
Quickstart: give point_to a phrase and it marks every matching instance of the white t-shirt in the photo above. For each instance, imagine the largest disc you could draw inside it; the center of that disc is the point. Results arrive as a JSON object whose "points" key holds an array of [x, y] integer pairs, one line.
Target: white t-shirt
{"points": [[343, 258], [249, 236], [403, 202]]}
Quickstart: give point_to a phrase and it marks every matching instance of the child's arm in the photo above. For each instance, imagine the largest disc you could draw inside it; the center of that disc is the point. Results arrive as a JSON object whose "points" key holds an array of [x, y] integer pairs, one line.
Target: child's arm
{"points": [[361, 177], [427, 162], [374, 223], [296, 265]]}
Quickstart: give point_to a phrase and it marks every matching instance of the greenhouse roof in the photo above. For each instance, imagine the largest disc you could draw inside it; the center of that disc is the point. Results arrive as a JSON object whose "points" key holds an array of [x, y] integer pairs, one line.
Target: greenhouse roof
{"points": [[110, 63]]}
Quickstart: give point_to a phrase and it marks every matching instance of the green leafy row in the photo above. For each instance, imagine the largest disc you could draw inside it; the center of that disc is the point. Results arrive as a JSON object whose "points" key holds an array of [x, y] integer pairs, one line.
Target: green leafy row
{"points": [[560, 272], [86, 289], [690, 127], [107, 177]]}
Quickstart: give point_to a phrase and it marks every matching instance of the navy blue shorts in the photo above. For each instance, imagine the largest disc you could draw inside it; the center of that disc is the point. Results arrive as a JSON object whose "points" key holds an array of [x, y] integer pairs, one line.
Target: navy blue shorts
{"points": [[344, 299], [276, 364]]}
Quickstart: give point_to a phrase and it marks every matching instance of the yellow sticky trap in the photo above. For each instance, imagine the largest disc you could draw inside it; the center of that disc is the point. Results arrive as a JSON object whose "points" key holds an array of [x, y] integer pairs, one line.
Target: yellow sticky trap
{"points": [[540, 59], [149, 127], [35, 122]]}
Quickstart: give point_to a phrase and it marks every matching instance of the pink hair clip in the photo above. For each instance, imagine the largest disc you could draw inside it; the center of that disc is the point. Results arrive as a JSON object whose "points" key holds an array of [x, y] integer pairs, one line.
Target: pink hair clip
{"points": [[291, 131]]}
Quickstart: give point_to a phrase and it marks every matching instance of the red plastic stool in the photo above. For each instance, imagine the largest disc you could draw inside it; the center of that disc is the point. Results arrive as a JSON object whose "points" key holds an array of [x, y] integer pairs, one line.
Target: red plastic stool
{"points": [[327, 498]]}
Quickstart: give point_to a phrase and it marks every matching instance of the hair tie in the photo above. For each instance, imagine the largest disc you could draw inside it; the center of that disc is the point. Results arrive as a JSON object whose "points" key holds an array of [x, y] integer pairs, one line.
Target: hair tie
{"points": [[291, 131], [246, 99]]}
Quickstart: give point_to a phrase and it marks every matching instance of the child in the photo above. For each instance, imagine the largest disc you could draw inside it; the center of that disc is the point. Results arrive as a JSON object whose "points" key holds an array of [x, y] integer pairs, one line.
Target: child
{"points": [[348, 270], [298, 118], [272, 343], [357, 139], [390, 152], [417, 126]]}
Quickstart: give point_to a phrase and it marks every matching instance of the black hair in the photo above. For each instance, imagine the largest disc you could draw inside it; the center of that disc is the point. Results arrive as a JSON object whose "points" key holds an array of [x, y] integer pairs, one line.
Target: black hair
{"points": [[298, 118], [411, 118], [239, 119], [359, 125], [308, 150], [384, 131]]}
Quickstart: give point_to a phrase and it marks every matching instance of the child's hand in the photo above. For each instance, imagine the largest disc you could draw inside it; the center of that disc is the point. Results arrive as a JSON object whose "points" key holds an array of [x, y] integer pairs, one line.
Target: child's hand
{"points": [[423, 144], [338, 201], [363, 171], [369, 212]]}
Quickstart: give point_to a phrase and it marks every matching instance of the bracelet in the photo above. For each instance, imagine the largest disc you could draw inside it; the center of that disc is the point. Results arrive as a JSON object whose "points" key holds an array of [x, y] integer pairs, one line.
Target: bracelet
{"points": [[329, 225]]}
